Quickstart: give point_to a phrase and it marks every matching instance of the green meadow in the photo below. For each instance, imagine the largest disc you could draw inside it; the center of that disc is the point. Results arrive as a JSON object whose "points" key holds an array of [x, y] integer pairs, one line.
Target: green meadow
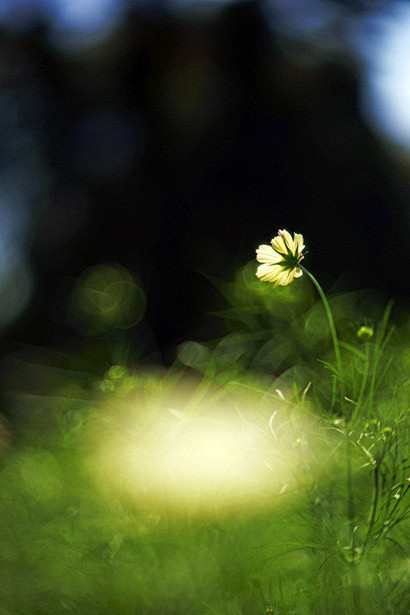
{"points": [[259, 474]]}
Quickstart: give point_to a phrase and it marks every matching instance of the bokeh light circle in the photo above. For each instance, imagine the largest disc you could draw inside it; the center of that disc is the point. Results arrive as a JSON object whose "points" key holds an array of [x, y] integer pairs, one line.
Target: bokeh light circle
{"points": [[107, 297]]}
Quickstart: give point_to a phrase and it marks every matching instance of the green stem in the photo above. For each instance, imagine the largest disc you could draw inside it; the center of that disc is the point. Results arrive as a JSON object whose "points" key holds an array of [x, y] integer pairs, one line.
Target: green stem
{"points": [[365, 375], [365, 379], [354, 579], [350, 499], [373, 508], [329, 316], [353, 572]]}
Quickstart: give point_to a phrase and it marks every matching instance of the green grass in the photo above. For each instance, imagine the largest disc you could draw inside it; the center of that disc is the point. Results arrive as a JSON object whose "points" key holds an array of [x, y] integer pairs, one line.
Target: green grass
{"points": [[321, 530]]}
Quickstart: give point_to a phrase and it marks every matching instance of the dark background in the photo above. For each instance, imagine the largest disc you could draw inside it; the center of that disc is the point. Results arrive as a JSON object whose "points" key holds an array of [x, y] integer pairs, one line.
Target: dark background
{"points": [[174, 145]]}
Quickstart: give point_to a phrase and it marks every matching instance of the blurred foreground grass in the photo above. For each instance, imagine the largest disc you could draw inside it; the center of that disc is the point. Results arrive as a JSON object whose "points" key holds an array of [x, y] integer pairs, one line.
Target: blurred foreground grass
{"points": [[218, 486]]}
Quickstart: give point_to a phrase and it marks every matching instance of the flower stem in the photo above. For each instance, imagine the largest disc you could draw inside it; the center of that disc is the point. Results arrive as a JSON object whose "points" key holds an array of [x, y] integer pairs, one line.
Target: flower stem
{"points": [[353, 572], [329, 316]]}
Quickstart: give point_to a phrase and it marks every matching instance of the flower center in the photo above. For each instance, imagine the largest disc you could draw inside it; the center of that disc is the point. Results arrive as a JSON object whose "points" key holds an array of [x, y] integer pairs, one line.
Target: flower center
{"points": [[291, 260]]}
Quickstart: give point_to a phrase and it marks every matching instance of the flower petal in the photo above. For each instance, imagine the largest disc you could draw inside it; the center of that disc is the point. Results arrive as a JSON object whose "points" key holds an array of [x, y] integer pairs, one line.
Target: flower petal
{"points": [[287, 238], [279, 245], [269, 273], [299, 245], [266, 254], [280, 260], [287, 277]]}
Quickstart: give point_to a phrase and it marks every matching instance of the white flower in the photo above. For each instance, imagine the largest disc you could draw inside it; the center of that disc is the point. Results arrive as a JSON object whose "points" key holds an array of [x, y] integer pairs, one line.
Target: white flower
{"points": [[280, 260]]}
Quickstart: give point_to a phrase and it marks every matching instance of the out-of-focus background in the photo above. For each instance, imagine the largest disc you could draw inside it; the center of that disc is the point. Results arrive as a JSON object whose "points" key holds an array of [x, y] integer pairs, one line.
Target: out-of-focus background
{"points": [[147, 145]]}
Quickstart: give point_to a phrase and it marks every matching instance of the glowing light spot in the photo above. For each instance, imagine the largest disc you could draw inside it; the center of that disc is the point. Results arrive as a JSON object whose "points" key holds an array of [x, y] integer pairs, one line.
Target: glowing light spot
{"points": [[79, 23], [107, 296], [171, 452], [385, 47], [188, 461]]}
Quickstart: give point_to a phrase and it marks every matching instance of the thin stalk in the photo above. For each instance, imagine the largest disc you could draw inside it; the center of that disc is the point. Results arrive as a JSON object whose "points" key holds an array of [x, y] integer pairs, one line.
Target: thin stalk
{"points": [[353, 571], [373, 508], [365, 375], [363, 385], [354, 578], [329, 316], [350, 501]]}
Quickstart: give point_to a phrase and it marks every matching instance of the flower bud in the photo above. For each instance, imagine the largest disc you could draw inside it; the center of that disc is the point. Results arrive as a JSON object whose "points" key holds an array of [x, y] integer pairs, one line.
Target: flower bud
{"points": [[365, 333]]}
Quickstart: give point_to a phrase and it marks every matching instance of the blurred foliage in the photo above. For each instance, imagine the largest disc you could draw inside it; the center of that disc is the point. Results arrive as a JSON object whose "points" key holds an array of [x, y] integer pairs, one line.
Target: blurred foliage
{"points": [[285, 332], [97, 514], [74, 540], [156, 115]]}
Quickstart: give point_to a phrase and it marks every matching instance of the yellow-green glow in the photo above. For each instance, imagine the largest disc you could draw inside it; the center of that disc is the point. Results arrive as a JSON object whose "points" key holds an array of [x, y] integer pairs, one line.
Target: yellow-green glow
{"points": [[106, 297], [193, 459], [175, 451]]}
